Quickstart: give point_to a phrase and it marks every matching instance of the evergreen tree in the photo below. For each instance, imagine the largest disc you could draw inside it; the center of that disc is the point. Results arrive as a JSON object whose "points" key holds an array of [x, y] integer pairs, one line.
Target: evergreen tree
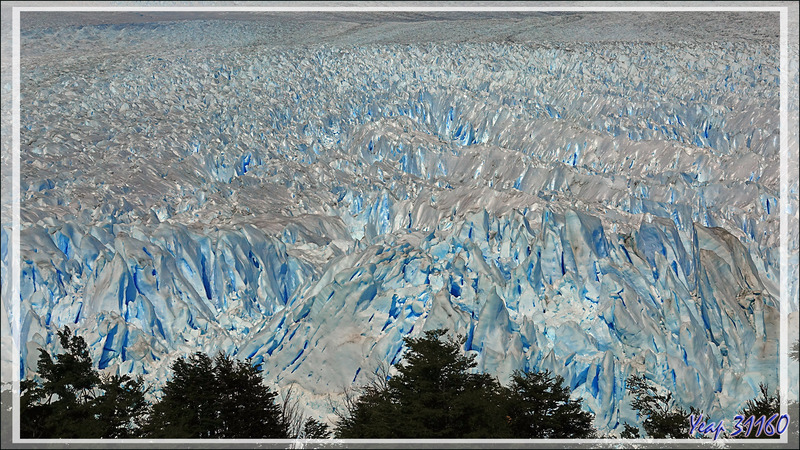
{"points": [[663, 418], [440, 398], [72, 401], [223, 398], [186, 408], [35, 413], [629, 432], [370, 414], [433, 395], [120, 412], [539, 407], [314, 429], [59, 406]]}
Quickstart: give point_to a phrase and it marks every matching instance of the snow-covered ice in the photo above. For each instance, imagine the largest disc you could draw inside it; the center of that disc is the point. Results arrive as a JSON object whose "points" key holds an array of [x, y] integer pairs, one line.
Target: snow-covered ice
{"points": [[307, 192]]}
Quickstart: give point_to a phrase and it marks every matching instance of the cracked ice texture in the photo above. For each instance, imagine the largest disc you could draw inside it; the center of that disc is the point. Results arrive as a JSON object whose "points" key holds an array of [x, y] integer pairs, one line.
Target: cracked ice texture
{"points": [[306, 193]]}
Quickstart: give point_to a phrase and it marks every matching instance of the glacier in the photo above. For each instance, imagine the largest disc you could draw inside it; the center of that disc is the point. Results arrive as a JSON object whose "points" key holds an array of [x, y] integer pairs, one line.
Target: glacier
{"points": [[595, 207]]}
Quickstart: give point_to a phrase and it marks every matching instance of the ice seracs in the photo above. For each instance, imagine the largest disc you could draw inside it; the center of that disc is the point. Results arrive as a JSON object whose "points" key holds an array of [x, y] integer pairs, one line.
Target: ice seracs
{"points": [[596, 209]]}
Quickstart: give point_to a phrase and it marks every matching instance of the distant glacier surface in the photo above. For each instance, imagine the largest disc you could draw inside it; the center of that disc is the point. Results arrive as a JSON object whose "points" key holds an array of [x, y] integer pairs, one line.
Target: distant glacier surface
{"points": [[308, 192]]}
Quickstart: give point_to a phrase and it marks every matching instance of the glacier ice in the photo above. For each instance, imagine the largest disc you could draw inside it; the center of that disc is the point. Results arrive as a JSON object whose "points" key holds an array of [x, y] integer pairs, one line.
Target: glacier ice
{"points": [[598, 209]]}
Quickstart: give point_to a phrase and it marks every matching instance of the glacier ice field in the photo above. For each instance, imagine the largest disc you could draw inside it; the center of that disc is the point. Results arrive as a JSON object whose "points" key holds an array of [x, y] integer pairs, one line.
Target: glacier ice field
{"points": [[307, 197]]}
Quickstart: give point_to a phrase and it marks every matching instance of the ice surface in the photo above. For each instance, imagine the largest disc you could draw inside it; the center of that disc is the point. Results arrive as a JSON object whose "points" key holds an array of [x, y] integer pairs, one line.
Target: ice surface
{"points": [[599, 208]]}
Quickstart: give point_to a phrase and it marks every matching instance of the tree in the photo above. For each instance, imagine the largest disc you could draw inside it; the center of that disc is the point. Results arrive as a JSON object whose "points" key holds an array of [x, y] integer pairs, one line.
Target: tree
{"points": [[766, 405], [121, 410], [223, 398], [59, 406], [436, 395], [664, 419], [368, 412], [297, 424], [539, 407], [433, 395], [73, 401], [440, 398], [794, 352], [314, 429], [629, 432]]}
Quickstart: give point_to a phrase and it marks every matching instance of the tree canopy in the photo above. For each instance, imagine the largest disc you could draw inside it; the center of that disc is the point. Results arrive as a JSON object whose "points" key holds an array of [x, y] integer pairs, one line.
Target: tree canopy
{"points": [[72, 400], [436, 394], [433, 395], [205, 398], [765, 405], [540, 407], [663, 418], [223, 398]]}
